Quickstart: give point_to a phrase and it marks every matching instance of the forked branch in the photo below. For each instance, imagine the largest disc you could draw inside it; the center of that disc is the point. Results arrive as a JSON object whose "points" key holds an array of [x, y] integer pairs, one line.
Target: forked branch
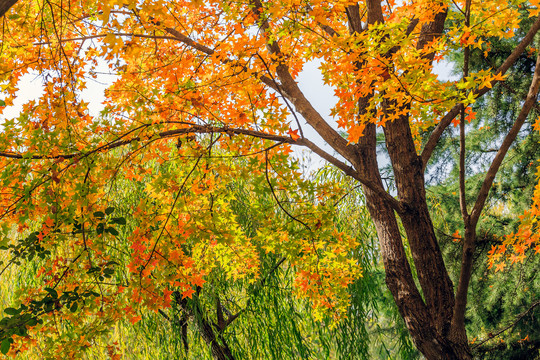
{"points": [[507, 142], [472, 220]]}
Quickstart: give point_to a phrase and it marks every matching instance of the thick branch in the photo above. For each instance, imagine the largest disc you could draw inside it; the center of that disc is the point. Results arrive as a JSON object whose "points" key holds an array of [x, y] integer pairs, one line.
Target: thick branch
{"points": [[466, 58], [289, 88], [507, 142], [462, 194], [193, 128], [447, 119], [213, 337], [354, 18], [5, 5]]}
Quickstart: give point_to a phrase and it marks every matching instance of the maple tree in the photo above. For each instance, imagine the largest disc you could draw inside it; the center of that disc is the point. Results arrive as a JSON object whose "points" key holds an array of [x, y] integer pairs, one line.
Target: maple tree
{"points": [[201, 82]]}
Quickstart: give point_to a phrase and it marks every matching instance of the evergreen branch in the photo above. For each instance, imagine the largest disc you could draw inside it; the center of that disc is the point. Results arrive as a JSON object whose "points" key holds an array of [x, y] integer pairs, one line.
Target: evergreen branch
{"points": [[511, 325]]}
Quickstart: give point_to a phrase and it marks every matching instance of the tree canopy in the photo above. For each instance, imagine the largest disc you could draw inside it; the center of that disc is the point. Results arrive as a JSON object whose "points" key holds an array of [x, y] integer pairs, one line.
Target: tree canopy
{"points": [[138, 207]]}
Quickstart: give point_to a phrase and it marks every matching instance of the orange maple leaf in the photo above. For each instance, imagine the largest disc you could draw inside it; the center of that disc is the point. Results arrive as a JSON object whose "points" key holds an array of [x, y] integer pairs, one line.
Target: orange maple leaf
{"points": [[464, 38], [470, 114], [188, 263], [197, 280], [49, 222], [500, 266], [498, 77], [293, 134], [188, 293]]}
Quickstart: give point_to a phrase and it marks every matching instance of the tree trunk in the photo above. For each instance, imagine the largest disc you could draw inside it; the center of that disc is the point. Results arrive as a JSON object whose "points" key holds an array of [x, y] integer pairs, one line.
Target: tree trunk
{"points": [[211, 334], [427, 315], [429, 325], [5, 5]]}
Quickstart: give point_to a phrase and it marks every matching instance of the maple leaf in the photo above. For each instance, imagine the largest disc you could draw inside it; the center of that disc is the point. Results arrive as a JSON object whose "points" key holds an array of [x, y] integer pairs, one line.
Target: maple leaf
{"points": [[188, 263], [500, 266], [197, 280], [49, 223], [516, 258], [187, 293], [293, 134], [471, 115], [465, 38]]}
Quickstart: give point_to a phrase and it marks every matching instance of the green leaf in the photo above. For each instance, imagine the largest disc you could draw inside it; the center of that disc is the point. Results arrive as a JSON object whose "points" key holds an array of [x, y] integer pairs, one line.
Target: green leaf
{"points": [[52, 292], [5, 346], [112, 231], [119, 220], [74, 307], [99, 214], [2, 103], [11, 311], [109, 210], [93, 269]]}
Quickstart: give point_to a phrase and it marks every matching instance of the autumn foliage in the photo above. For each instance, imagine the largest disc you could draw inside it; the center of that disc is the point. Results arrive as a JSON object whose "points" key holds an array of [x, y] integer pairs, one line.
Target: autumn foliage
{"points": [[120, 209]]}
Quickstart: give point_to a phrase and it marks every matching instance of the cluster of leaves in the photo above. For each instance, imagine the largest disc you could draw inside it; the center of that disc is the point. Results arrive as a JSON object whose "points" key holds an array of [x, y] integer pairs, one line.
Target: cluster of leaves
{"points": [[47, 301], [193, 79]]}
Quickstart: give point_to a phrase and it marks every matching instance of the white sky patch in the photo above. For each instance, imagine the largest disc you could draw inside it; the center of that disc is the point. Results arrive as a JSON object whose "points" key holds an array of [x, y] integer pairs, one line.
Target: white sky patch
{"points": [[94, 93], [444, 70], [30, 88]]}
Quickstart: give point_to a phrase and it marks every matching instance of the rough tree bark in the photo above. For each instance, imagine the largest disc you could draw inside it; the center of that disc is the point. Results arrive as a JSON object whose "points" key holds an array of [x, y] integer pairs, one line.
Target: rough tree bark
{"points": [[211, 333], [5, 5]]}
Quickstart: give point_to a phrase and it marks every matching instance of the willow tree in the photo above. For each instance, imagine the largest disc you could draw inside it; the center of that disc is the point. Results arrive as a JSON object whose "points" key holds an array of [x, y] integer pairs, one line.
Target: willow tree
{"points": [[195, 77]]}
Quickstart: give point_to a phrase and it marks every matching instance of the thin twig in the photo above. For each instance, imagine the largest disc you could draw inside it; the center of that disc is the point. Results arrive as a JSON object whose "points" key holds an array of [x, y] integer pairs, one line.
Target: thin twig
{"points": [[514, 323]]}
